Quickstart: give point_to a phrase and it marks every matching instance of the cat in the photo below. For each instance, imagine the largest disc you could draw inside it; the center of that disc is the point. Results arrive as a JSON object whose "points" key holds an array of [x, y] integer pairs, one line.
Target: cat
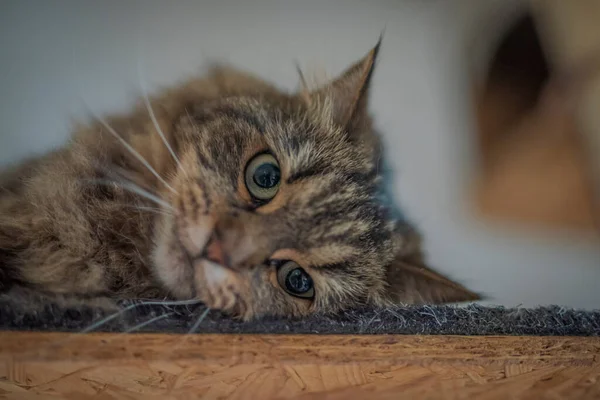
{"points": [[223, 189]]}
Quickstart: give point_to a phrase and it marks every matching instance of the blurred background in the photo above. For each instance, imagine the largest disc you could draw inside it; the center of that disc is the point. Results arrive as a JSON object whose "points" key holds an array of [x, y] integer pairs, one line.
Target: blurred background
{"points": [[426, 98]]}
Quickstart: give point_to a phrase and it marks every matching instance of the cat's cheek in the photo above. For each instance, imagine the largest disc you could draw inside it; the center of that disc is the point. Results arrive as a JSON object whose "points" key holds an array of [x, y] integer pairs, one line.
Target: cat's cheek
{"points": [[172, 271], [170, 264]]}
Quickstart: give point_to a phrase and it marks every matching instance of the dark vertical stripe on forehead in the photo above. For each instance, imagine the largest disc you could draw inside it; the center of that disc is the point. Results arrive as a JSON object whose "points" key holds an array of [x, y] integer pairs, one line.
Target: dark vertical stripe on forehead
{"points": [[204, 116], [241, 115]]}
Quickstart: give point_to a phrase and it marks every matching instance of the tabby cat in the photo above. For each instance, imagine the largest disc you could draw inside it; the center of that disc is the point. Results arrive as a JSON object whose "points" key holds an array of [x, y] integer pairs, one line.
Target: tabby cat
{"points": [[223, 189]]}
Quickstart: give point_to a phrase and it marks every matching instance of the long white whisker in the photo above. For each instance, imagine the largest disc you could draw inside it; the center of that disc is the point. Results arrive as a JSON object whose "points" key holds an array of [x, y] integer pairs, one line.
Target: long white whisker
{"points": [[104, 320], [134, 189], [169, 302], [130, 149], [109, 318], [150, 321], [193, 328], [112, 131], [155, 210], [154, 120], [151, 210], [199, 321]]}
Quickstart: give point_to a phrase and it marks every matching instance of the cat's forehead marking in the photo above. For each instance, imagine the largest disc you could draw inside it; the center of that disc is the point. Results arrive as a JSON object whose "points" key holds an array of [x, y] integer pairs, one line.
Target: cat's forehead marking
{"points": [[230, 109], [249, 117]]}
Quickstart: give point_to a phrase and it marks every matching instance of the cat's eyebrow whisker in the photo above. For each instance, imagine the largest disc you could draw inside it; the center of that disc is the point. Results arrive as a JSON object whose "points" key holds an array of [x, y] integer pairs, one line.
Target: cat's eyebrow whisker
{"points": [[305, 92], [129, 148], [154, 120], [134, 189]]}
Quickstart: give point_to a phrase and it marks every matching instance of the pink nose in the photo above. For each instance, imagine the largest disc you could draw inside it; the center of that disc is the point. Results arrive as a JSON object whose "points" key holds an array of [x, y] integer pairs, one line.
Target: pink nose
{"points": [[215, 251]]}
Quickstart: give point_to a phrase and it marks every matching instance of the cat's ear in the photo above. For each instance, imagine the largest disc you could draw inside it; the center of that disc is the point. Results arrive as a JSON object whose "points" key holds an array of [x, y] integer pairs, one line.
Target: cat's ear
{"points": [[411, 281], [348, 94]]}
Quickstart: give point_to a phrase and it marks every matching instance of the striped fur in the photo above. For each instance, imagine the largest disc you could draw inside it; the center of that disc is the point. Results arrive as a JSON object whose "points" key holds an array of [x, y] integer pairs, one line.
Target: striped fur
{"points": [[65, 228]]}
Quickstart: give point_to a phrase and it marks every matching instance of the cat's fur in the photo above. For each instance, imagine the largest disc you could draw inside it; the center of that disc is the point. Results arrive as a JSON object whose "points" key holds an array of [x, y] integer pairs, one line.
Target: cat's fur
{"points": [[65, 230]]}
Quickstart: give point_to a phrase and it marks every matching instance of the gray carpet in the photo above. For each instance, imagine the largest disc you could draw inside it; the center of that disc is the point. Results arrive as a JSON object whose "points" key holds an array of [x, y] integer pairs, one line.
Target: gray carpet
{"points": [[444, 320]]}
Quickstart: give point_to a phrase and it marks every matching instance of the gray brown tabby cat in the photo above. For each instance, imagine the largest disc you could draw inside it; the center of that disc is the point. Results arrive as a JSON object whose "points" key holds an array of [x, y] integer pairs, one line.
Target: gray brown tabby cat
{"points": [[226, 190]]}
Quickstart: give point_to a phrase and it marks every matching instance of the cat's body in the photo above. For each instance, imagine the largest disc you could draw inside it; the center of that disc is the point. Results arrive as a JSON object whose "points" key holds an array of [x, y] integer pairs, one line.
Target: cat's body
{"points": [[262, 202]]}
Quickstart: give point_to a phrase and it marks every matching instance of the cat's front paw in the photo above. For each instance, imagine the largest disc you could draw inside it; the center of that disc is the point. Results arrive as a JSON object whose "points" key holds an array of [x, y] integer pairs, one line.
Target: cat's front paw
{"points": [[220, 288]]}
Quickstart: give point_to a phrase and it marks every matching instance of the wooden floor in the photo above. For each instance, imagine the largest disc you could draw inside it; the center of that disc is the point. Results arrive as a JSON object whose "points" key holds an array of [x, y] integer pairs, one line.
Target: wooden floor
{"points": [[158, 366]]}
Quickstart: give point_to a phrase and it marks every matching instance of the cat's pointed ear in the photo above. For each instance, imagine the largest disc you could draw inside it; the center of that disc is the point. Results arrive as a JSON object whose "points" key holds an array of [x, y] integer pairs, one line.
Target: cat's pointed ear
{"points": [[410, 281], [348, 94]]}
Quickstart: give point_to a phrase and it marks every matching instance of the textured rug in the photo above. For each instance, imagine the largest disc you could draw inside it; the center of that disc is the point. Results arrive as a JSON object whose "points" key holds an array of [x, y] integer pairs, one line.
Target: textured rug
{"points": [[438, 320]]}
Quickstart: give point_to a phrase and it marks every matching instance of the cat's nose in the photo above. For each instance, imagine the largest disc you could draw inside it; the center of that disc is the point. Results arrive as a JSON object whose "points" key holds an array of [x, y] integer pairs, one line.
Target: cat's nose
{"points": [[232, 246], [216, 252]]}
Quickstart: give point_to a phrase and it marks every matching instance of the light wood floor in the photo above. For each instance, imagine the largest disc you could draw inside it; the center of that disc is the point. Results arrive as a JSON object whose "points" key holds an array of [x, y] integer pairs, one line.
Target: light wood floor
{"points": [[158, 366]]}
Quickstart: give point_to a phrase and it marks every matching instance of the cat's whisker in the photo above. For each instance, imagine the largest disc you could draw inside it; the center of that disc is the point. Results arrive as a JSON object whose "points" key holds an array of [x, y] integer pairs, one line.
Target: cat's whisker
{"points": [[199, 321], [121, 174], [193, 328], [154, 120], [154, 210], [305, 92], [107, 319], [117, 174], [130, 148], [134, 189], [111, 317], [146, 323], [118, 177]]}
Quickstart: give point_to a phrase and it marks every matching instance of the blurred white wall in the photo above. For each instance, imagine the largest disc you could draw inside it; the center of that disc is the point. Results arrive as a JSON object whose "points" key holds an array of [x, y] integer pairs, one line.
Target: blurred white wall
{"points": [[53, 53]]}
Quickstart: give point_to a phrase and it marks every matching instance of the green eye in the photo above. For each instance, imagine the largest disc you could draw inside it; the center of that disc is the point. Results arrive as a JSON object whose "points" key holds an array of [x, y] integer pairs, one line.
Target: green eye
{"points": [[262, 177], [294, 280]]}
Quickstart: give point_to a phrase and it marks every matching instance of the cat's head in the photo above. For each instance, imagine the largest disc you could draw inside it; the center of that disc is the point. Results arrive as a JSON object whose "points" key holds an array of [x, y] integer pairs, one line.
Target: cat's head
{"points": [[277, 210]]}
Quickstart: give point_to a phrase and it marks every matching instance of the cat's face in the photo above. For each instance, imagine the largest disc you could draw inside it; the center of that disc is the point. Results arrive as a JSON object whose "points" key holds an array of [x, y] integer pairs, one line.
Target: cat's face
{"points": [[276, 211]]}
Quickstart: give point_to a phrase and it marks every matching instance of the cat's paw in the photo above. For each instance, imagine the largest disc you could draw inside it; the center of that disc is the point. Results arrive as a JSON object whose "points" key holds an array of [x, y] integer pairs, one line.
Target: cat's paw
{"points": [[220, 288]]}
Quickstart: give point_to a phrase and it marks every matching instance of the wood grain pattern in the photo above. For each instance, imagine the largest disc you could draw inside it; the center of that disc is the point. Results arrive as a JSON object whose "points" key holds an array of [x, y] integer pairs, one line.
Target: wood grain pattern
{"points": [[159, 366]]}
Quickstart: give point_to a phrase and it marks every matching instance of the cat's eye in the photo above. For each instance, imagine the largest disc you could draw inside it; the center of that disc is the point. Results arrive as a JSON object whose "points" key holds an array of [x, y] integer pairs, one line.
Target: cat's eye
{"points": [[294, 280], [262, 177]]}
